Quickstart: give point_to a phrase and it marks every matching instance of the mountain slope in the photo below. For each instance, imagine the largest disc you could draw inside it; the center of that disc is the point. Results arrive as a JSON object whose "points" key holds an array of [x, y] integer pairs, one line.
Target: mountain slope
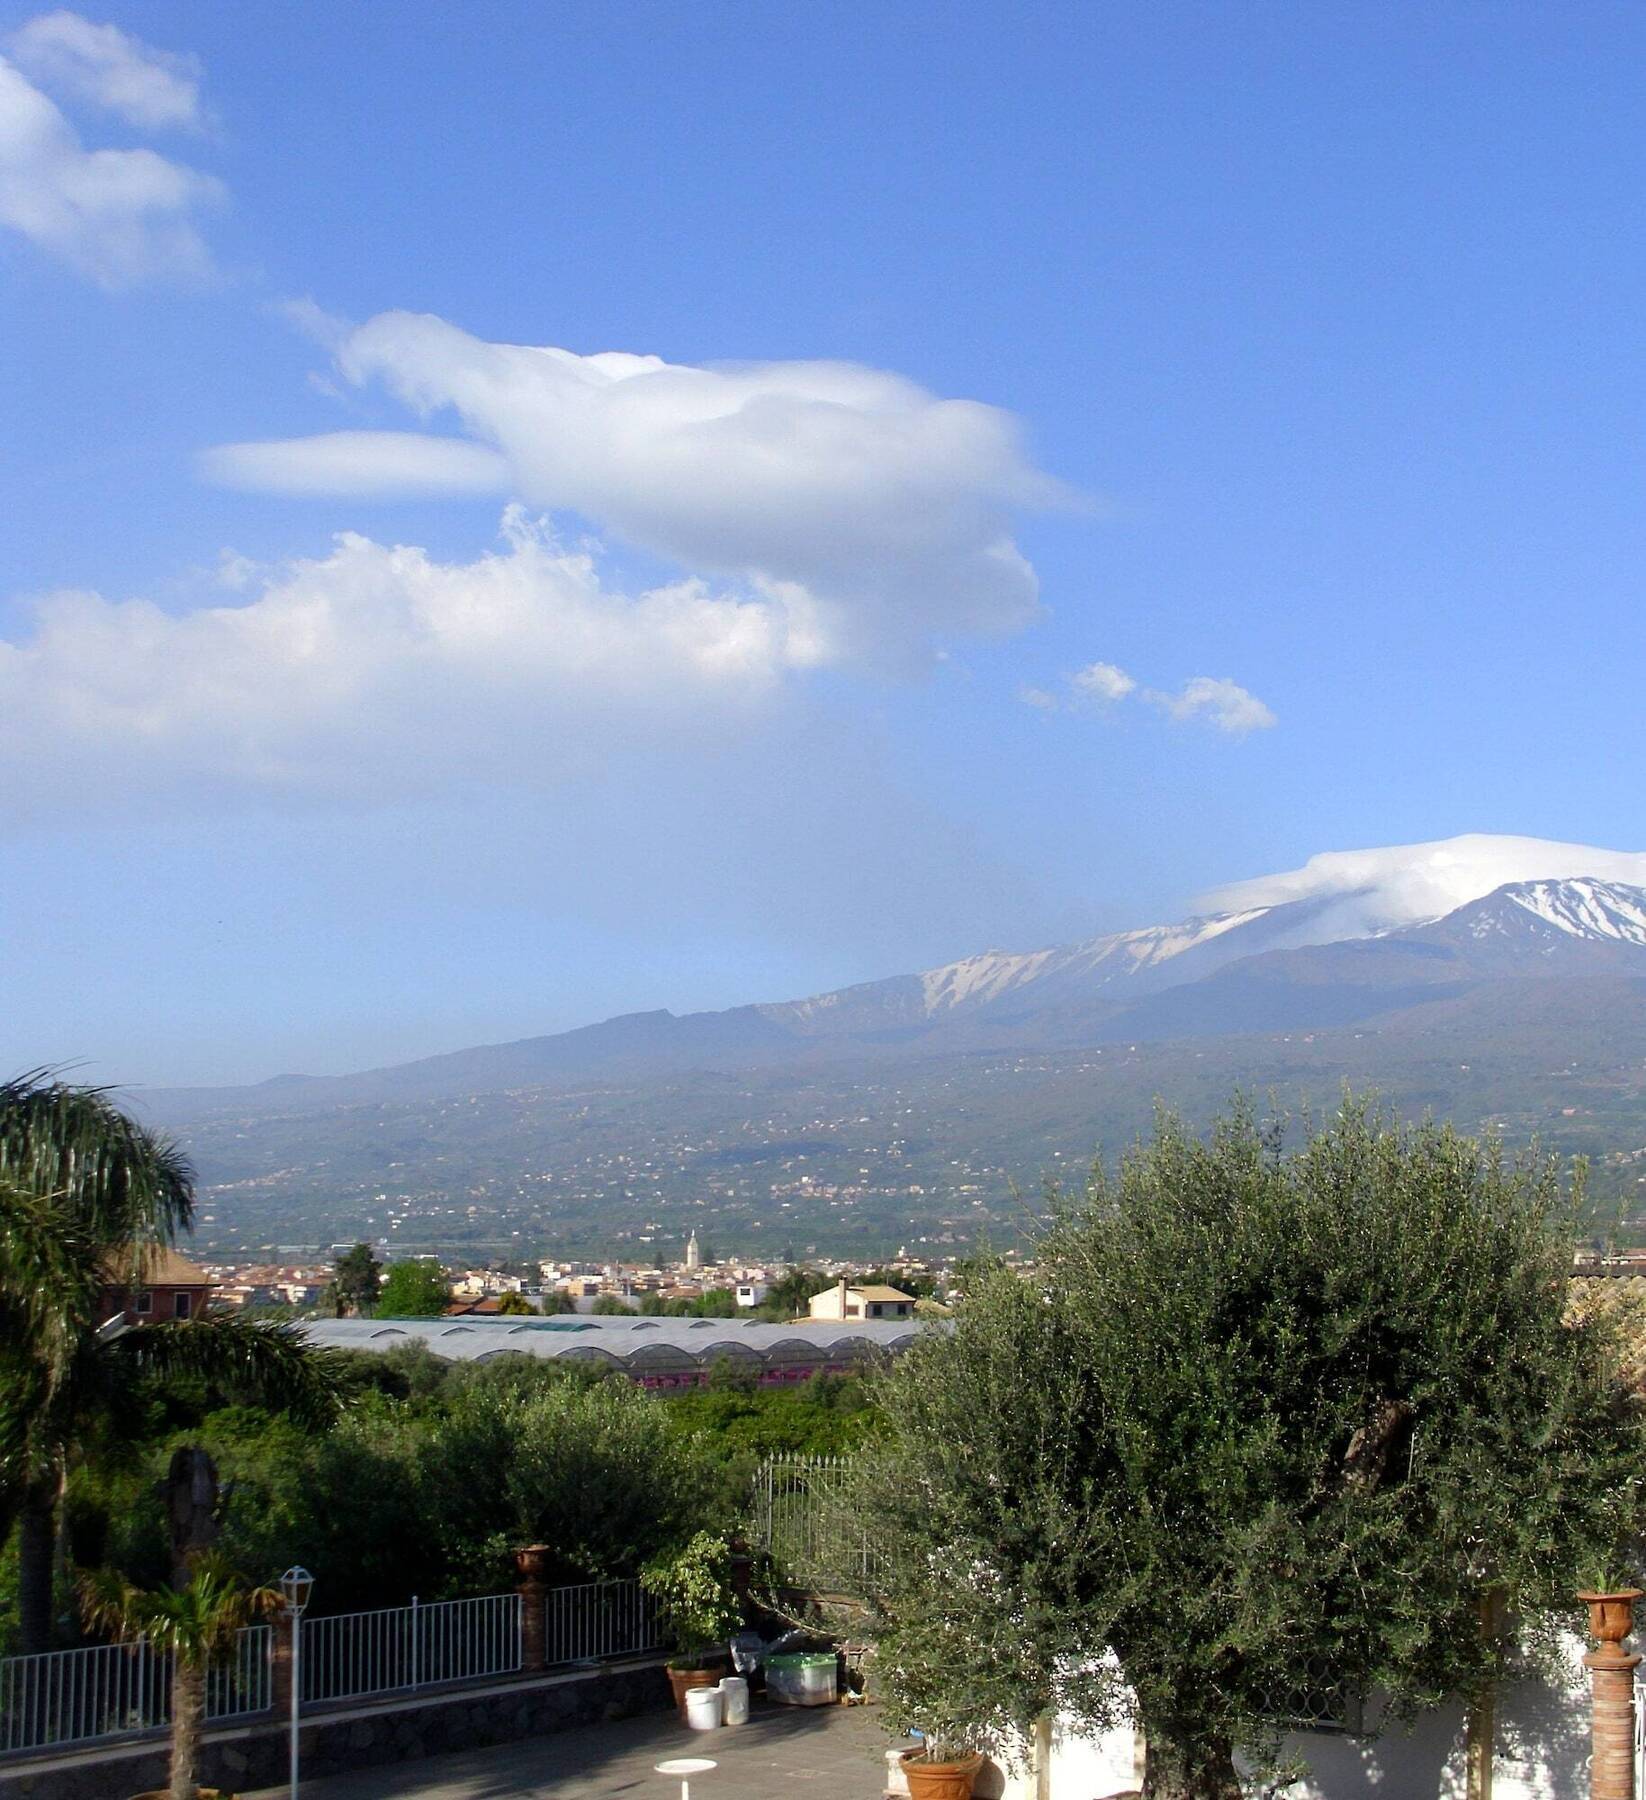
{"points": [[919, 1108], [1260, 968], [845, 1157], [1575, 929]]}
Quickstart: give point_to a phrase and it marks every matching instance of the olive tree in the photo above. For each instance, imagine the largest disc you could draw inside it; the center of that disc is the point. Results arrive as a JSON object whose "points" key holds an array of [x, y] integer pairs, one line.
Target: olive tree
{"points": [[1267, 1422]]}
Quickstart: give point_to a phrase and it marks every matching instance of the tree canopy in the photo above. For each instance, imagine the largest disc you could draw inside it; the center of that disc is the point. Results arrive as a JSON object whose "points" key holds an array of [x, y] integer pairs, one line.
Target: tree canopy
{"points": [[413, 1290], [1268, 1426], [356, 1280], [85, 1195]]}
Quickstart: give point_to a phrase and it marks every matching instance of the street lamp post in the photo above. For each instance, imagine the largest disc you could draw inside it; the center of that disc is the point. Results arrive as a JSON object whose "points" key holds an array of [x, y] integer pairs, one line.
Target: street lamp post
{"points": [[295, 1587]]}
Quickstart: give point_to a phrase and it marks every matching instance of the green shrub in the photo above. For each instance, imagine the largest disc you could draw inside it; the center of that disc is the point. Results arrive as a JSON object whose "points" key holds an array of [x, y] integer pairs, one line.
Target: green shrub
{"points": [[695, 1598]]}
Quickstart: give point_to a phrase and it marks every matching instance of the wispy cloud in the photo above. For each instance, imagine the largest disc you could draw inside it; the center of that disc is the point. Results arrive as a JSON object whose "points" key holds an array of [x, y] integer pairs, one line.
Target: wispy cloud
{"points": [[1101, 682], [874, 512], [1218, 702], [1209, 699], [121, 216], [104, 66], [374, 464]]}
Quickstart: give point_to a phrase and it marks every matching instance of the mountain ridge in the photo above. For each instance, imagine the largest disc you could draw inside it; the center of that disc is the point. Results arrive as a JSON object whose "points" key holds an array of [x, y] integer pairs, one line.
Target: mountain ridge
{"points": [[923, 1108], [1258, 967]]}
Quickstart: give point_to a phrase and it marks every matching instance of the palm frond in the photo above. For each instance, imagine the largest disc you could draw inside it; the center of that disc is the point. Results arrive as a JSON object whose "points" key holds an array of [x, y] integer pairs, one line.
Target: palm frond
{"points": [[265, 1362], [194, 1621], [128, 1184], [49, 1276]]}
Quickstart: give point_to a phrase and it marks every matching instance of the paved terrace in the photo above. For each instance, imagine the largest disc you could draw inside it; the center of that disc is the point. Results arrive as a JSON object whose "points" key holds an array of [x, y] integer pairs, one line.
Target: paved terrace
{"points": [[834, 1752]]}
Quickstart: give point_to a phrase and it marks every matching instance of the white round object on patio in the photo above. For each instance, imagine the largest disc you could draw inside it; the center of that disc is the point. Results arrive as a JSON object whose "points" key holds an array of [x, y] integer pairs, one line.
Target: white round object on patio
{"points": [[687, 1765]]}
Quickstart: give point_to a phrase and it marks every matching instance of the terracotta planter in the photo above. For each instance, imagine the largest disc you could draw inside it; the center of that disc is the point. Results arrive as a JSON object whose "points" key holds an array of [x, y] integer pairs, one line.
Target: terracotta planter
{"points": [[939, 1780], [532, 1563], [200, 1793], [1611, 1614], [683, 1680]]}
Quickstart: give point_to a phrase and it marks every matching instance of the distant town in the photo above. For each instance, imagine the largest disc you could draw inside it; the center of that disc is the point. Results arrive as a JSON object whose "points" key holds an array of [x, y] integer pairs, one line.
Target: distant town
{"points": [[304, 1280]]}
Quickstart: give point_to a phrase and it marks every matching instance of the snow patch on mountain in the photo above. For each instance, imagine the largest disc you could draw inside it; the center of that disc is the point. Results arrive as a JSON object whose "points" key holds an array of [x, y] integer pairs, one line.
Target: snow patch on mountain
{"points": [[1582, 909], [977, 980], [1372, 891]]}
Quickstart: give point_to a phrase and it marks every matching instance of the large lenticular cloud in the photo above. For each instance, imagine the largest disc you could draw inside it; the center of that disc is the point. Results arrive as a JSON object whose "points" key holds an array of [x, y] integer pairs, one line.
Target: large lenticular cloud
{"points": [[879, 514], [1407, 883]]}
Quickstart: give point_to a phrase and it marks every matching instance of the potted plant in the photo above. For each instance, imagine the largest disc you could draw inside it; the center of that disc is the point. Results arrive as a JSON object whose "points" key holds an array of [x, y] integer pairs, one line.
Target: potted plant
{"points": [[193, 1623], [935, 1770], [699, 1610], [1610, 1598], [932, 1680]]}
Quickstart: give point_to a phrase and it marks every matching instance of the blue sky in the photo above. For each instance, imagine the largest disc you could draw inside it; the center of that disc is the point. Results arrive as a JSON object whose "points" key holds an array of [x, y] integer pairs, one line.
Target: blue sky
{"points": [[1311, 335]]}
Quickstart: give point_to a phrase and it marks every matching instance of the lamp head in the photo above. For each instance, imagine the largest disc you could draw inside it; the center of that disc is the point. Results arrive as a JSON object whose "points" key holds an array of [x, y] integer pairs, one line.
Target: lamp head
{"points": [[295, 1587]]}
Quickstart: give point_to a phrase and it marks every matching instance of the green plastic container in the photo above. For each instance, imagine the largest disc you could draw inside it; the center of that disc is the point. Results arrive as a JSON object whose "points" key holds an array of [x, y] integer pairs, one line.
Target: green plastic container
{"points": [[803, 1678]]}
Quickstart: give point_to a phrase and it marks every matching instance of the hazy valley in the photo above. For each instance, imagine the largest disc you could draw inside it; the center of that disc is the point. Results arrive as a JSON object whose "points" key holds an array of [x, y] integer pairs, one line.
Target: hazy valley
{"points": [[926, 1108]]}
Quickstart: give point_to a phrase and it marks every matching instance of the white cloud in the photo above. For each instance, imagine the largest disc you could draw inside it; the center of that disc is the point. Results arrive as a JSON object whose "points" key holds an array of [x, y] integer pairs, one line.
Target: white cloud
{"points": [[379, 464], [1406, 883], [853, 496], [1101, 682], [375, 674], [120, 216], [1219, 702], [100, 64]]}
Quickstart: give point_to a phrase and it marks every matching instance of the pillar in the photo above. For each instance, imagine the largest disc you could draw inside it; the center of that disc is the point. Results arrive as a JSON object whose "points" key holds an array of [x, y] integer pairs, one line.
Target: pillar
{"points": [[280, 1664], [1612, 1705], [530, 1566]]}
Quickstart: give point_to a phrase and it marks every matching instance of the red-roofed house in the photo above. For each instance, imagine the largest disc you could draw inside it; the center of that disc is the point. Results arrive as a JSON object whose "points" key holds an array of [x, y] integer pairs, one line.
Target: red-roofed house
{"points": [[164, 1285]]}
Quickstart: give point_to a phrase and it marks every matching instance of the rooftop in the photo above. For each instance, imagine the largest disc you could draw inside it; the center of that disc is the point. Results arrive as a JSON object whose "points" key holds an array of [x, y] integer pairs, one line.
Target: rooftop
{"points": [[473, 1338], [156, 1263]]}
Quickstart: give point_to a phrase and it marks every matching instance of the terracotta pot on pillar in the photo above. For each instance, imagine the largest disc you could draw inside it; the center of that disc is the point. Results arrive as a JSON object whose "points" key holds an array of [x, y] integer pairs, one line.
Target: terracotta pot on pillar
{"points": [[531, 1567], [1612, 1674]]}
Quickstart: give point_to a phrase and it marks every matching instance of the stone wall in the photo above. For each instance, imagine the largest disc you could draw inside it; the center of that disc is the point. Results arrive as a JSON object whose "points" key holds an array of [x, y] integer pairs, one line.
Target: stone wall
{"points": [[402, 1729]]}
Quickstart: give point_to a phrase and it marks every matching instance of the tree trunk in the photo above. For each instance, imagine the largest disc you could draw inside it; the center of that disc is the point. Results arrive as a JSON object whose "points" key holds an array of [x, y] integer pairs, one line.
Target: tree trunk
{"points": [[1203, 1770], [191, 1508], [36, 1559], [188, 1711]]}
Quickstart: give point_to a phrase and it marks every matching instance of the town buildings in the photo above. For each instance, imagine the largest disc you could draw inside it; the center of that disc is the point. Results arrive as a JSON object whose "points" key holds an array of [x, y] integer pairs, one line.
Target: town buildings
{"points": [[848, 1301]]}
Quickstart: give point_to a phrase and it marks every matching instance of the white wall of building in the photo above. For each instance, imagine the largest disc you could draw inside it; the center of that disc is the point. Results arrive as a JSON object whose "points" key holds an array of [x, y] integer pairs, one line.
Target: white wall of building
{"points": [[1541, 1752]]}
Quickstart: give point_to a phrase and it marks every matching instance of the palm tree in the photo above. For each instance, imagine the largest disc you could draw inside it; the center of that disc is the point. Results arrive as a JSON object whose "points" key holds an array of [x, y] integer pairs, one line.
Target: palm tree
{"points": [[194, 1623], [86, 1194]]}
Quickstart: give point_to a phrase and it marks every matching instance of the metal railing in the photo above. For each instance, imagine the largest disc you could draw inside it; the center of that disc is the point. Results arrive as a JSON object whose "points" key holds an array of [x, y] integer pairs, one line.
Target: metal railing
{"points": [[243, 1682], [66, 1697], [803, 1518], [598, 1619], [114, 1690], [347, 1655]]}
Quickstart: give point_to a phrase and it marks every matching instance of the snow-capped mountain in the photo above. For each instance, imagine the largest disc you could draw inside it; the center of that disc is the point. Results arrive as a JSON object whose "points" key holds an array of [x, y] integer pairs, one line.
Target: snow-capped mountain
{"points": [[1362, 891], [1307, 950], [1523, 932], [1137, 961], [1398, 892], [1500, 983], [1551, 911]]}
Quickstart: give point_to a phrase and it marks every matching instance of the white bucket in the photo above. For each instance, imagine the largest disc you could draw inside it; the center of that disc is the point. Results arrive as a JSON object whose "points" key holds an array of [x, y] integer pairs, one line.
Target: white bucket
{"points": [[734, 1691], [703, 1708]]}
